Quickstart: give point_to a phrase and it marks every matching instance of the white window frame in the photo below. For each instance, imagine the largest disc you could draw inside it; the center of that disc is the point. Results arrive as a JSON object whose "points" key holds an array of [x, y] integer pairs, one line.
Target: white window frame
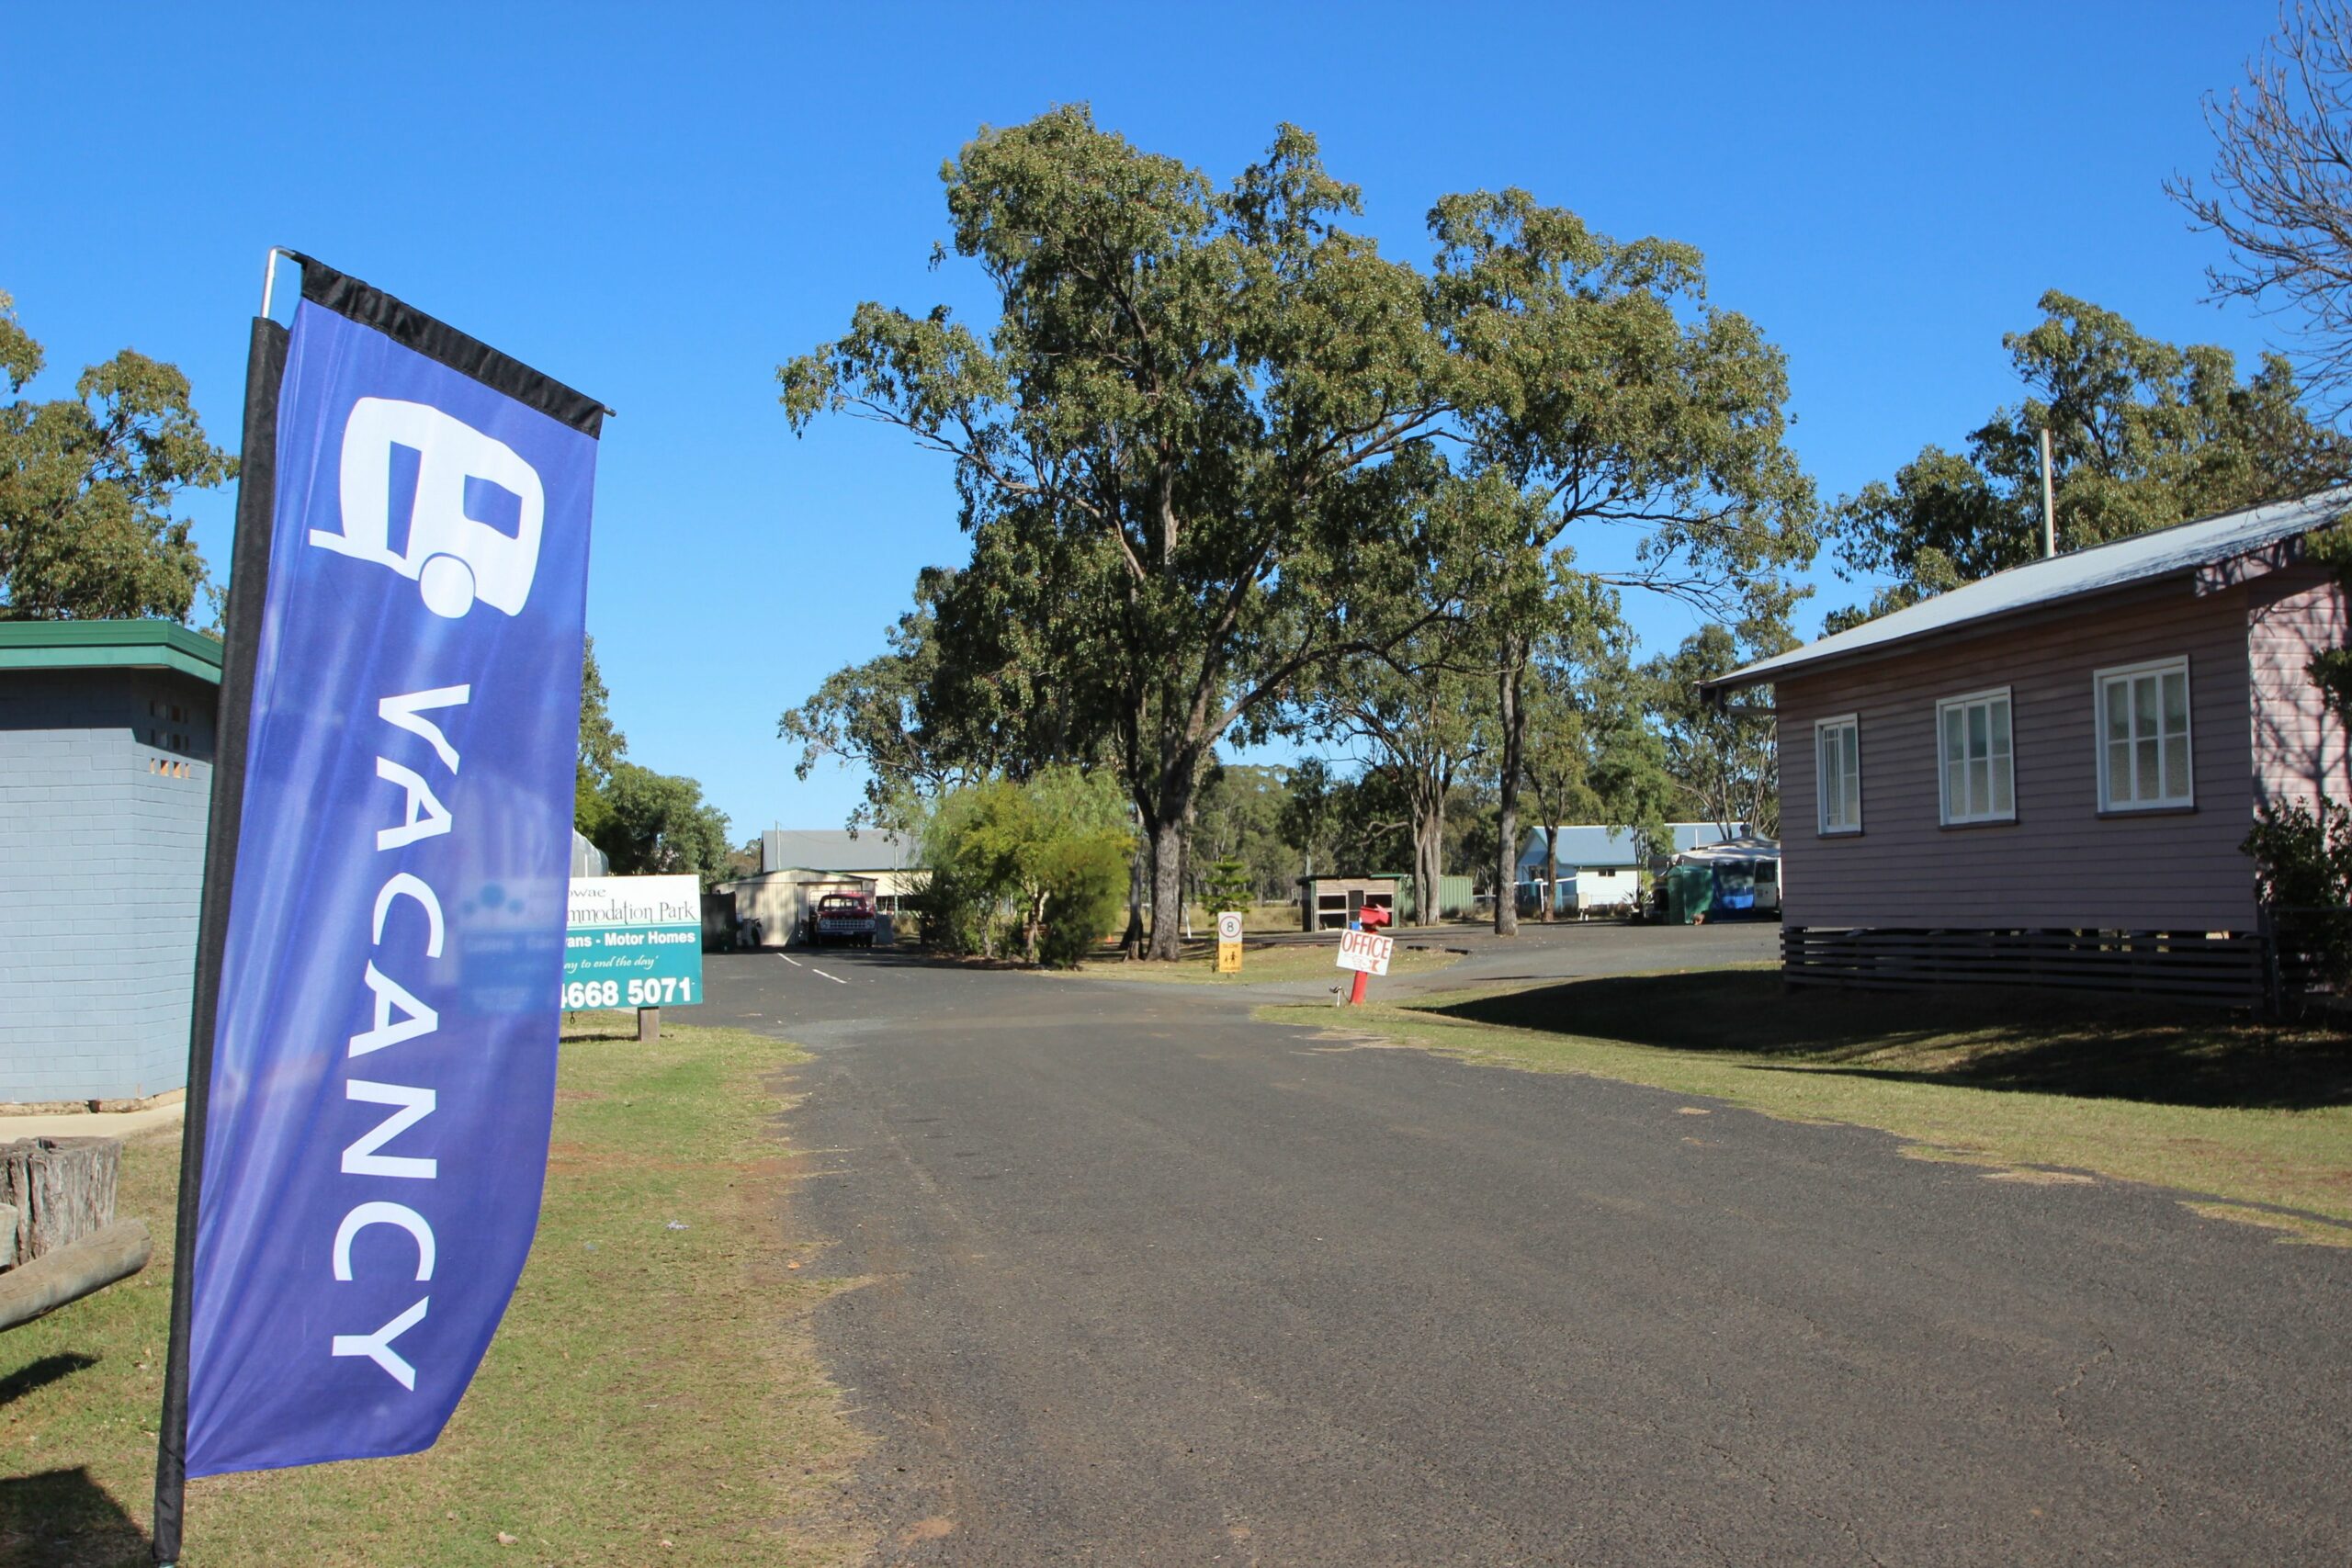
{"points": [[1944, 811], [2100, 678], [1821, 822]]}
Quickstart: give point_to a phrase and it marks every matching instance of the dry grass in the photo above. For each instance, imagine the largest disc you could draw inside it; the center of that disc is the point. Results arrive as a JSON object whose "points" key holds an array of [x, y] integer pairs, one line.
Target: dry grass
{"points": [[2260, 1119], [651, 1396], [1255, 919]]}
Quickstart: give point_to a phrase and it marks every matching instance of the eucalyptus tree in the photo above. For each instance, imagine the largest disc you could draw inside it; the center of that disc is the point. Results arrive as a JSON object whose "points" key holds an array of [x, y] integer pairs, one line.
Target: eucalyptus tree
{"points": [[946, 705], [658, 824], [1186, 449], [1597, 388], [1581, 691], [1724, 760], [602, 747], [1421, 712], [1630, 773], [1310, 810], [87, 484], [1239, 821], [2144, 433]]}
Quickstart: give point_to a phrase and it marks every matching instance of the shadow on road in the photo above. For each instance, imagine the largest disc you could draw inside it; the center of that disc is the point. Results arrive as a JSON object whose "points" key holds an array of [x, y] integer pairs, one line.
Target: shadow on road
{"points": [[2046, 1042]]}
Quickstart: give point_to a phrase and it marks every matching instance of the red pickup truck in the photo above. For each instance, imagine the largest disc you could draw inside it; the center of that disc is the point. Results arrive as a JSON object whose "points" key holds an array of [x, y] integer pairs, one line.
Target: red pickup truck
{"points": [[844, 916]]}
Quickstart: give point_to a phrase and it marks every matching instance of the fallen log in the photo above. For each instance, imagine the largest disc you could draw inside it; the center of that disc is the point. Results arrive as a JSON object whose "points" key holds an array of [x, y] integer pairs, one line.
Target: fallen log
{"points": [[62, 1189], [73, 1272]]}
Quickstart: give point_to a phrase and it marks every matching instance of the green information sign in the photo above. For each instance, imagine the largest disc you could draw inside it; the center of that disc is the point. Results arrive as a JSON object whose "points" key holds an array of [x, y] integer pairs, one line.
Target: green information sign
{"points": [[633, 941]]}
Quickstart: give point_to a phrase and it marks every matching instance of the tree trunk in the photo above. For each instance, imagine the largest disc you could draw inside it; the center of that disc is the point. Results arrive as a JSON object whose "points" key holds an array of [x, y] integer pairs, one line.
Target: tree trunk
{"points": [[1172, 842], [1551, 872], [1429, 863], [1184, 877], [62, 1189], [1132, 943], [1168, 887], [1514, 747]]}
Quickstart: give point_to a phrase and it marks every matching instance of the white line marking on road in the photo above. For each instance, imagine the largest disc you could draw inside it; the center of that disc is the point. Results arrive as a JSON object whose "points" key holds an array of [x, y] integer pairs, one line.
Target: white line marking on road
{"points": [[789, 959], [836, 979]]}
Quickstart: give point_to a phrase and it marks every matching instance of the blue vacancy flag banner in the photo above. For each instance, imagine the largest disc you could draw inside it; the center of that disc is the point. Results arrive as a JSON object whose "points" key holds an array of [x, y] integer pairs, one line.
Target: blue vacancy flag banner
{"points": [[383, 1067]]}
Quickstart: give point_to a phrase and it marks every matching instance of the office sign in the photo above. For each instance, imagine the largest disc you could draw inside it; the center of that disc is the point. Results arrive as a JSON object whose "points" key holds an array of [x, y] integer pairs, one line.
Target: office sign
{"points": [[633, 941], [1366, 952]]}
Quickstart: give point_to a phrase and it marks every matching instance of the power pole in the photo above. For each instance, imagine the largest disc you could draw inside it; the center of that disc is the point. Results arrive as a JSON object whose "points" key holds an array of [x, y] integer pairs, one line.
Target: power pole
{"points": [[2049, 503]]}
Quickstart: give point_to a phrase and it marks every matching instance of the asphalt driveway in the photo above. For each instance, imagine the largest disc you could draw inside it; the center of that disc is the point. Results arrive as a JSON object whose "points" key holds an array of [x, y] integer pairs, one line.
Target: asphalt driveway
{"points": [[1147, 1281]]}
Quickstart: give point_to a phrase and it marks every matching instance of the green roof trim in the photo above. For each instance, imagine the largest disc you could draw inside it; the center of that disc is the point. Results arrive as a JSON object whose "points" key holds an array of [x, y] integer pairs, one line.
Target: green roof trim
{"points": [[108, 645]]}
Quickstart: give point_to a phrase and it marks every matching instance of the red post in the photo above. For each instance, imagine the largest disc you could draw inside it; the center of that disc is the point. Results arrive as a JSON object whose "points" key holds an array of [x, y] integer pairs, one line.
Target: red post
{"points": [[1355, 992]]}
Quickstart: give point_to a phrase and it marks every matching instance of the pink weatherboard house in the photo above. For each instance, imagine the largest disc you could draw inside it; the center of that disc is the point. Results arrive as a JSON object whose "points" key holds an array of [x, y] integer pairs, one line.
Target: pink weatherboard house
{"points": [[2043, 778]]}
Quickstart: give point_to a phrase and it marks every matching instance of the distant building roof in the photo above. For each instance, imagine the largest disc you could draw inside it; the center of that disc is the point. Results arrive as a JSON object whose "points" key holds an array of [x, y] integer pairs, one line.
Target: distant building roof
{"points": [[797, 873], [2167, 552], [120, 645], [1602, 848], [832, 849]]}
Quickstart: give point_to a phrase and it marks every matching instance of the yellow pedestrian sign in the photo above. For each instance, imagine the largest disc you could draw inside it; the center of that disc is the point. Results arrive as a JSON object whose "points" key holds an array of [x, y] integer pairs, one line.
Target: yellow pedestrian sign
{"points": [[1229, 942]]}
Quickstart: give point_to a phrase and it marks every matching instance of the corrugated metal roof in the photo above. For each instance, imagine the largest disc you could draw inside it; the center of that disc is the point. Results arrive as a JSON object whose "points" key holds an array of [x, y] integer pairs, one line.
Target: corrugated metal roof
{"points": [[2142, 557], [1598, 848], [832, 849]]}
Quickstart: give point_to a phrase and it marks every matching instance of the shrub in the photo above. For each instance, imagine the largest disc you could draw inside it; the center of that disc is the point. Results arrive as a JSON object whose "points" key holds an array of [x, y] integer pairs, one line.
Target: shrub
{"points": [[1230, 886], [1089, 898], [955, 915], [2302, 869], [1043, 862]]}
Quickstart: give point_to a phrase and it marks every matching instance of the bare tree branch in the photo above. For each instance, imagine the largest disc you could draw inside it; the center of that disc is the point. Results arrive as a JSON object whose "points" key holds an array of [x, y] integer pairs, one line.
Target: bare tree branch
{"points": [[2280, 193]]}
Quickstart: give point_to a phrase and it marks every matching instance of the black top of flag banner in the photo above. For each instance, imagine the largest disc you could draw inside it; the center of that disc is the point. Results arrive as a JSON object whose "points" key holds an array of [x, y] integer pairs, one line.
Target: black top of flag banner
{"points": [[445, 345]]}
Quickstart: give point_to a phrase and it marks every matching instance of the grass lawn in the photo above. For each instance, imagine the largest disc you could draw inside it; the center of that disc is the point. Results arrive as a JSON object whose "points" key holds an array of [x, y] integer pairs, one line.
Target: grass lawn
{"points": [[1288, 961], [2179, 1097], [650, 1397]]}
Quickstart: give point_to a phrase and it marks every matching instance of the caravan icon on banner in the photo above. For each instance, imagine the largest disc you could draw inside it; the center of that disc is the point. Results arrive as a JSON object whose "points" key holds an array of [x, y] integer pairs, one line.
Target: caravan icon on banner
{"points": [[454, 554]]}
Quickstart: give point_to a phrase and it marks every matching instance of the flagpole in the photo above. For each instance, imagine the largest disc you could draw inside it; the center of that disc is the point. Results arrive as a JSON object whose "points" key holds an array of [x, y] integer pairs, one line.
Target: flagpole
{"points": [[248, 591]]}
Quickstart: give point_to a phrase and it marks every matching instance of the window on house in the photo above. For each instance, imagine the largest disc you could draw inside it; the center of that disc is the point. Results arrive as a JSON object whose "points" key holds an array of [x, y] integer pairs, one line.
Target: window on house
{"points": [[2143, 737], [1837, 745], [1979, 772]]}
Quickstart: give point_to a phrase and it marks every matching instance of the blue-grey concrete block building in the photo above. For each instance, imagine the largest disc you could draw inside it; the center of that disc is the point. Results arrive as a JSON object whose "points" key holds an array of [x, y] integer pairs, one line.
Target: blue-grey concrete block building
{"points": [[106, 783]]}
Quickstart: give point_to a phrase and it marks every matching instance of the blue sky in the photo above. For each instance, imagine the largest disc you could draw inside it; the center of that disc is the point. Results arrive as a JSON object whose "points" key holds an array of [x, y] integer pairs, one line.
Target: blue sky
{"points": [[660, 204]]}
